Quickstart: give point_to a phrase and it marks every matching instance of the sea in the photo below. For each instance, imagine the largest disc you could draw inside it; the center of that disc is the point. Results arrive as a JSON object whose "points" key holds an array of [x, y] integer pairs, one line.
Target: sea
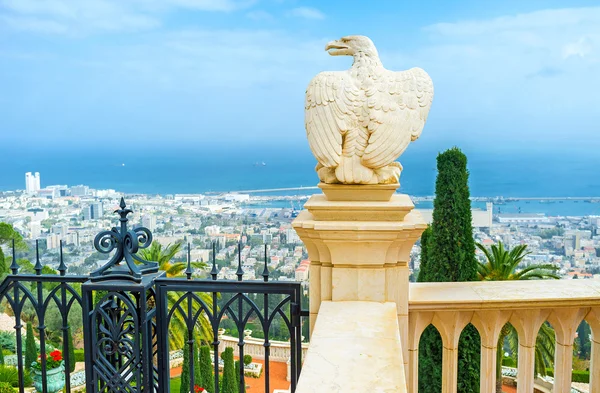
{"points": [[197, 168]]}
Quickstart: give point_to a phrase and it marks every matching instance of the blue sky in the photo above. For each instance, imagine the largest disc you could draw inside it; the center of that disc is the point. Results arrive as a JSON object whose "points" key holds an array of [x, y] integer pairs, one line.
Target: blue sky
{"points": [[90, 73]]}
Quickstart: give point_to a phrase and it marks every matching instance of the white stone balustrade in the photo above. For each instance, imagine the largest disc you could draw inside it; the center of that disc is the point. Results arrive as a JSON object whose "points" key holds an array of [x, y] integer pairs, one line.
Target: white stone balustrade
{"points": [[359, 240], [489, 306], [279, 351]]}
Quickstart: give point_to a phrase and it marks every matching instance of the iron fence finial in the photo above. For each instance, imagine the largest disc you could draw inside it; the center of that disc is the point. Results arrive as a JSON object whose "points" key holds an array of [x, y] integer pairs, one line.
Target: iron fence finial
{"points": [[126, 242]]}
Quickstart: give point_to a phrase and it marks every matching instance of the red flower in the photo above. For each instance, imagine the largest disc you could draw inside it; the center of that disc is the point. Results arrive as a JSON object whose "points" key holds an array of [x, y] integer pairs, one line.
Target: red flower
{"points": [[56, 355], [198, 389]]}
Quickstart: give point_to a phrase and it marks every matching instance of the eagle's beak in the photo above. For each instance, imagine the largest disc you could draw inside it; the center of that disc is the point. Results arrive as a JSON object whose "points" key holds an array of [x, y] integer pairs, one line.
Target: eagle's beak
{"points": [[337, 48]]}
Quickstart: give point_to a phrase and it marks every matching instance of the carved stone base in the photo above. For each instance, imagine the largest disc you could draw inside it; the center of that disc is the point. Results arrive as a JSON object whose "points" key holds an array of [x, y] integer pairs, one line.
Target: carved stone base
{"points": [[359, 239], [325, 209], [359, 192]]}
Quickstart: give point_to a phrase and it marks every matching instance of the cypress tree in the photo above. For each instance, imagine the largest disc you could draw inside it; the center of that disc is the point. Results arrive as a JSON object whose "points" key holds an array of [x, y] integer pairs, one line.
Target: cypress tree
{"points": [[71, 350], [423, 269], [207, 378], [229, 380], [185, 368], [30, 349], [450, 256]]}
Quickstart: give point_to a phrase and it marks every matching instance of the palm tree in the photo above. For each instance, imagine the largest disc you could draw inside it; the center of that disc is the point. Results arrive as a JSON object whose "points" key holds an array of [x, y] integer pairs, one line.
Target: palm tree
{"points": [[164, 256], [502, 265]]}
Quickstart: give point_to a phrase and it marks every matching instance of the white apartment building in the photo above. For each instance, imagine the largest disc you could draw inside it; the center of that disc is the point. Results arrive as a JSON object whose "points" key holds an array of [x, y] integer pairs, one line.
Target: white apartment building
{"points": [[32, 182]]}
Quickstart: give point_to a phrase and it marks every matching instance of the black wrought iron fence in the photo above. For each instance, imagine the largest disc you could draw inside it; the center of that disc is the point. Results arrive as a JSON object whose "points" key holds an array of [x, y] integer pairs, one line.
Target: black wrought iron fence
{"points": [[135, 319]]}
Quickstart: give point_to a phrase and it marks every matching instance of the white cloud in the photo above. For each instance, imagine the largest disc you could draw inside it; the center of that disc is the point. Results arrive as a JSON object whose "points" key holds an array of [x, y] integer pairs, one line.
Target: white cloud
{"points": [[74, 17], [580, 48], [307, 13], [529, 75], [552, 18], [87, 16]]}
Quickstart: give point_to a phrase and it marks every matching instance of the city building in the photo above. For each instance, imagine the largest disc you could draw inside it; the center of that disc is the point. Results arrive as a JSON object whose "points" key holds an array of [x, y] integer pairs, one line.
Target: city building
{"points": [[53, 241], [32, 182], [80, 190], [212, 230], [302, 271], [149, 221], [59, 190], [48, 193], [93, 212], [35, 229], [59, 229]]}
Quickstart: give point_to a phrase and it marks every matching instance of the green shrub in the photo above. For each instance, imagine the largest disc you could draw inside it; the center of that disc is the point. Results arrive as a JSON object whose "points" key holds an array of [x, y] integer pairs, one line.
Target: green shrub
{"points": [[8, 340], [9, 375], [582, 376], [79, 355], [28, 380], [247, 359], [30, 348], [509, 362], [229, 380], [185, 367], [6, 388], [207, 379]]}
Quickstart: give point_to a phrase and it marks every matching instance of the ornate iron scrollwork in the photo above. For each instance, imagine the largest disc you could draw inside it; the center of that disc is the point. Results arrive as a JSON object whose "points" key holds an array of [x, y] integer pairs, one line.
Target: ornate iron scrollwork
{"points": [[117, 356], [126, 242]]}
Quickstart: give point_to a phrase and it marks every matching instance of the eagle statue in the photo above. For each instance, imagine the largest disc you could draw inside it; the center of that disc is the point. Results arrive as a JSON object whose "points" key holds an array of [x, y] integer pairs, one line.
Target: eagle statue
{"points": [[359, 121]]}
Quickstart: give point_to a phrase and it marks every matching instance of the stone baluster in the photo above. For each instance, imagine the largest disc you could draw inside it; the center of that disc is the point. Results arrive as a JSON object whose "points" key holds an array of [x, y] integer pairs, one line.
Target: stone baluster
{"points": [[527, 323], [565, 322], [418, 322], [489, 324], [593, 319], [450, 324]]}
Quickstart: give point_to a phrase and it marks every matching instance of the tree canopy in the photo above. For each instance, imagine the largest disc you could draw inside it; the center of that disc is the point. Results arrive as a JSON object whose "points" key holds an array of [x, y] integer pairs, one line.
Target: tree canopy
{"points": [[8, 234]]}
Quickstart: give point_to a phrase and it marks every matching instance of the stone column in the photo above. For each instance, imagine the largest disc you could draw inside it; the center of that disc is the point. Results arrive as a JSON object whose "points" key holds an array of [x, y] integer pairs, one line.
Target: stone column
{"points": [[359, 239], [593, 319], [489, 324], [565, 323], [527, 323], [450, 324]]}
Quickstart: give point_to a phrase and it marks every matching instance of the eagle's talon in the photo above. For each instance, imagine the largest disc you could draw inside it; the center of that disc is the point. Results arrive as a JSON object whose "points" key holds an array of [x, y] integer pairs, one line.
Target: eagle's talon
{"points": [[389, 174]]}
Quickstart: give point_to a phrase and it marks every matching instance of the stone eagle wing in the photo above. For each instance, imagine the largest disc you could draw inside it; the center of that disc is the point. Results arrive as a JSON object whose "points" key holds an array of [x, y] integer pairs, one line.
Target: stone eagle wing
{"points": [[331, 102], [398, 105]]}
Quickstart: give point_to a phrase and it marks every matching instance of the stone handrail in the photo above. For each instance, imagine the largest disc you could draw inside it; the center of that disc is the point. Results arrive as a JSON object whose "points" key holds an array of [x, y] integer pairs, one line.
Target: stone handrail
{"points": [[489, 306], [355, 347]]}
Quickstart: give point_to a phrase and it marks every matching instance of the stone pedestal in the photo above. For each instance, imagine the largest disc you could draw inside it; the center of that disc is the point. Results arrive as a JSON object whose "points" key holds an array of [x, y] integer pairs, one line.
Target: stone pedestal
{"points": [[359, 240]]}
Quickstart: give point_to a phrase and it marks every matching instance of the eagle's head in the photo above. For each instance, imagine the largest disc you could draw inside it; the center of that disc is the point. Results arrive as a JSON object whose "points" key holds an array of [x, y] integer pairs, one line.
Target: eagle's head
{"points": [[352, 45]]}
